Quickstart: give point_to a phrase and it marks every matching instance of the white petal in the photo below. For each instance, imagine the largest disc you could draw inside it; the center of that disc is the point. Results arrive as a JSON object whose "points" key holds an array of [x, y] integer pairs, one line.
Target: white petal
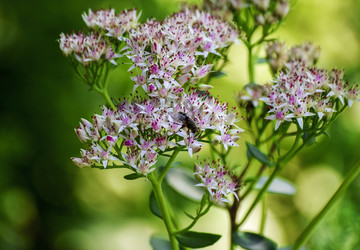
{"points": [[277, 124], [320, 114], [341, 99], [300, 121]]}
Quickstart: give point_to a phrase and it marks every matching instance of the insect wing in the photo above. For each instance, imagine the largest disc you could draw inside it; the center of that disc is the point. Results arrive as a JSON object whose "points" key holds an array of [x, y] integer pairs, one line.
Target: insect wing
{"points": [[178, 117], [189, 109]]}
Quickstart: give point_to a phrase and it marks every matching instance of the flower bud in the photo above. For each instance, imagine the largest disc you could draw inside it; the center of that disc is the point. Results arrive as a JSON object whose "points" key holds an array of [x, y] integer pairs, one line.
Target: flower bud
{"points": [[203, 71], [184, 78], [282, 9], [260, 20], [186, 69], [81, 134], [205, 87], [79, 162], [262, 4]]}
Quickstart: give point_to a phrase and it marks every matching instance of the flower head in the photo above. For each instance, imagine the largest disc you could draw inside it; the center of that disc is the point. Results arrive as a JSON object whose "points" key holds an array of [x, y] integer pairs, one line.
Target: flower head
{"points": [[146, 127], [115, 24], [217, 180], [302, 91], [169, 51], [87, 48]]}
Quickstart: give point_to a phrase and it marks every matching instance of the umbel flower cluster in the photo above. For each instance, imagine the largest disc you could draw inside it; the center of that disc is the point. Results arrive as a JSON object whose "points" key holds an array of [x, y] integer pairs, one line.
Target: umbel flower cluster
{"points": [[278, 55], [264, 12], [167, 60], [300, 91], [94, 47], [87, 48], [217, 180], [166, 55], [137, 132]]}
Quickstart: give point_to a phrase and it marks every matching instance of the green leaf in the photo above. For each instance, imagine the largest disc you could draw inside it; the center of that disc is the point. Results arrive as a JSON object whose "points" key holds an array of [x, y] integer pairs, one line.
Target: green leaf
{"points": [[154, 207], [197, 239], [277, 186], [183, 182], [261, 60], [160, 244], [252, 241], [204, 199], [133, 176], [176, 164], [290, 247], [327, 134], [258, 154], [308, 135], [189, 215], [217, 74]]}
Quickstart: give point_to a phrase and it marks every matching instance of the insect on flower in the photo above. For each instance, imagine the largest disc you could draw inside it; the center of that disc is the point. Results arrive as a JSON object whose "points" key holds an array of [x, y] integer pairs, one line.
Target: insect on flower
{"points": [[186, 119]]}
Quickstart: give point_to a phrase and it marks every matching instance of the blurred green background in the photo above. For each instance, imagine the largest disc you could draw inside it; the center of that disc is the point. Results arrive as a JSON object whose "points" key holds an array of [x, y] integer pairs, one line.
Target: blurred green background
{"points": [[48, 203]]}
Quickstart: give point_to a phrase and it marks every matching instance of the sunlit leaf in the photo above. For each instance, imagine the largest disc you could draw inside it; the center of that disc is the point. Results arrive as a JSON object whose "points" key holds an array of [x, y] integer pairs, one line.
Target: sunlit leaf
{"points": [[160, 244], [217, 74], [133, 176], [277, 186], [258, 154], [183, 182], [154, 207], [252, 241], [262, 60], [197, 239], [290, 247], [176, 164]]}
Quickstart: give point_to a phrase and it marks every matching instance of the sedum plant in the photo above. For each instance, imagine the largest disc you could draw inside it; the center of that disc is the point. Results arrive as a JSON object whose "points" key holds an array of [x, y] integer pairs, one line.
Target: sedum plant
{"points": [[171, 63]]}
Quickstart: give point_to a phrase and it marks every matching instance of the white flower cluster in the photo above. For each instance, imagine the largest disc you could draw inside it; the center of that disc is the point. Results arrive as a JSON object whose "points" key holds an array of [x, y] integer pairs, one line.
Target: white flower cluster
{"points": [[217, 180], [87, 48], [115, 24], [302, 91], [167, 53], [278, 54], [151, 127], [94, 47], [171, 117]]}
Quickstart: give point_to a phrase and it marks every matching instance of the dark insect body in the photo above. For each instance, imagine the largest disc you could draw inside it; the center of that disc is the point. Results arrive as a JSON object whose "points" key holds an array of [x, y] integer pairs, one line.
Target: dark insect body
{"points": [[186, 121]]}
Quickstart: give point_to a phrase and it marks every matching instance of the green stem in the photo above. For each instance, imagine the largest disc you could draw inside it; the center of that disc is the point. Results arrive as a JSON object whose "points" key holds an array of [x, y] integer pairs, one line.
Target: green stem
{"points": [[164, 210], [168, 165], [242, 175], [352, 174], [263, 215], [195, 220], [258, 175], [261, 193], [251, 64], [106, 96]]}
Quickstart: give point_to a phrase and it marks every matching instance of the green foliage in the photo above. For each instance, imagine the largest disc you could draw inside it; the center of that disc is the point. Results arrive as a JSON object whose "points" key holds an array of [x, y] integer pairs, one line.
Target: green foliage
{"points": [[197, 239], [277, 186], [252, 241], [258, 154]]}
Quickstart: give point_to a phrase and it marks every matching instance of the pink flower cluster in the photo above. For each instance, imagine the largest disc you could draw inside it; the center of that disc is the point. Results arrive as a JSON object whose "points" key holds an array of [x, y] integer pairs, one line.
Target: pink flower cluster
{"points": [[302, 91], [171, 117], [278, 54], [217, 180], [150, 127], [115, 24], [87, 48], [168, 53]]}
